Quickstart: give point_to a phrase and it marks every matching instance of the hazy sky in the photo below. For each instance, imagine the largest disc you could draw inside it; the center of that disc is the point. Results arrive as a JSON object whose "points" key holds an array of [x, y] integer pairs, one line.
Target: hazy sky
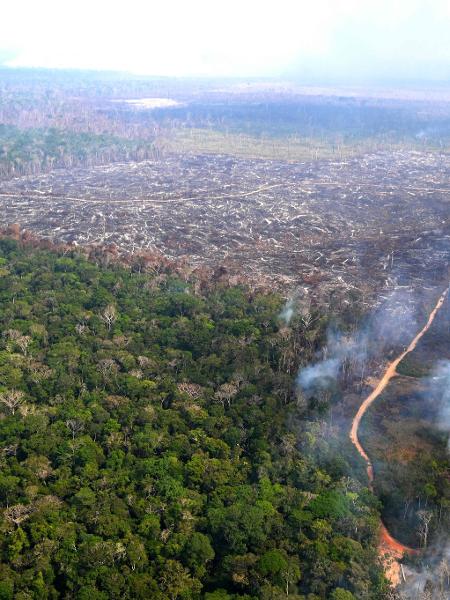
{"points": [[231, 37]]}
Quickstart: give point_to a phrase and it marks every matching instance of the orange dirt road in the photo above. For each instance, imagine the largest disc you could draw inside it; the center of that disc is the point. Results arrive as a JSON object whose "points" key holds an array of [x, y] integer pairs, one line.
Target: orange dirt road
{"points": [[390, 549]]}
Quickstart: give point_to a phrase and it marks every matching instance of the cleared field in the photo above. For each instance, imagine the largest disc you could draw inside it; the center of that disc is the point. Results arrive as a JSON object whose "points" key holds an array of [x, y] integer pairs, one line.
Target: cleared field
{"points": [[288, 148], [200, 141], [364, 223]]}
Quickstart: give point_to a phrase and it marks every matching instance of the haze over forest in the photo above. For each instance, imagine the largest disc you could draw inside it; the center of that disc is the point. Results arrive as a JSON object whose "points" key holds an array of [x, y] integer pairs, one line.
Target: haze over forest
{"points": [[328, 39]]}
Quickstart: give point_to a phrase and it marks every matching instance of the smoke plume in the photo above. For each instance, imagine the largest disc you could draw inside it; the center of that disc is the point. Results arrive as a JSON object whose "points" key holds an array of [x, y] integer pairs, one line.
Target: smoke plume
{"points": [[438, 386], [287, 311], [318, 376], [431, 582], [297, 304], [392, 324]]}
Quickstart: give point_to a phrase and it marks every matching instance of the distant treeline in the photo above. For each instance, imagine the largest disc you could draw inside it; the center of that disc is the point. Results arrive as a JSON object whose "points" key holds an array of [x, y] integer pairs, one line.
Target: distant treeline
{"points": [[33, 151], [331, 119], [54, 119], [50, 120]]}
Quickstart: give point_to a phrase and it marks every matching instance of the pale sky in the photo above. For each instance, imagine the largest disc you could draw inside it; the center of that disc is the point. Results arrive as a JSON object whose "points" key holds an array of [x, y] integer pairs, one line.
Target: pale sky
{"points": [[231, 37]]}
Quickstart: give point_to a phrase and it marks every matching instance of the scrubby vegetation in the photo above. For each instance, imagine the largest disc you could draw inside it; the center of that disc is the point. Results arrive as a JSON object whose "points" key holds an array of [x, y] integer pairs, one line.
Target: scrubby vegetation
{"points": [[152, 444]]}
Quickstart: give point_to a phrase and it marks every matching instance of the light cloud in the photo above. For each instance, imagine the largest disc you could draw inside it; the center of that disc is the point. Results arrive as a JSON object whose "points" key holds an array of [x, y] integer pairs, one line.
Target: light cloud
{"points": [[236, 37]]}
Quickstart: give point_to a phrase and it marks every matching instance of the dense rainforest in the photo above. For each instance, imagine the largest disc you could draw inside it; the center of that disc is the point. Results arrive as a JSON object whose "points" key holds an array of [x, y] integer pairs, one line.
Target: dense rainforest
{"points": [[153, 444]]}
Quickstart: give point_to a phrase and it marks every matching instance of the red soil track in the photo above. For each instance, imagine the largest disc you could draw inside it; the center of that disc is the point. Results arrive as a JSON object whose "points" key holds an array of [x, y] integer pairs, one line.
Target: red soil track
{"points": [[389, 546]]}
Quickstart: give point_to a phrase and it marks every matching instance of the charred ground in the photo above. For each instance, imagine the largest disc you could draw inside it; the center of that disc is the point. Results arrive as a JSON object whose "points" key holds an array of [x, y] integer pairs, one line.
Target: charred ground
{"points": [[362, 223]]}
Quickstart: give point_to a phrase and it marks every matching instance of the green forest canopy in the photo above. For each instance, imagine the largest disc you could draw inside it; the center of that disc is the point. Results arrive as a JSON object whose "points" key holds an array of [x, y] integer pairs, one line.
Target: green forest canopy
{"points": [[151, 445]]}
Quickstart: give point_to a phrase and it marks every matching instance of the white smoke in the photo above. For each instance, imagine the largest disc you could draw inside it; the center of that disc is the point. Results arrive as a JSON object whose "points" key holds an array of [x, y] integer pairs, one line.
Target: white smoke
{"points": [[318, 375], [287, 311], [298, 304], [439, 389], [393, 323], [431, 582]]}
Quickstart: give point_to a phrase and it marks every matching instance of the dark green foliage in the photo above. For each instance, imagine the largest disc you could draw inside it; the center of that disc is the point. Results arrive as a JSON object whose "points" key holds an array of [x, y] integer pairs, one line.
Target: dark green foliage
{"points": [[145, 449], [412, 368]]}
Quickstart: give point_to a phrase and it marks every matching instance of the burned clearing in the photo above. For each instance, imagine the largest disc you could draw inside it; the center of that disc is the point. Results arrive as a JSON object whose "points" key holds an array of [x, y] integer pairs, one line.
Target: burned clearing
{"points": [[405, 432], [367, 222]]}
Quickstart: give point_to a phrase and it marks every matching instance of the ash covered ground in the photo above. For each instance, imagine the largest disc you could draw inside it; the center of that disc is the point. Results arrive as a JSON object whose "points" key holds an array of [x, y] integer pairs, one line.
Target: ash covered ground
{"points": [[377, 221]]}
